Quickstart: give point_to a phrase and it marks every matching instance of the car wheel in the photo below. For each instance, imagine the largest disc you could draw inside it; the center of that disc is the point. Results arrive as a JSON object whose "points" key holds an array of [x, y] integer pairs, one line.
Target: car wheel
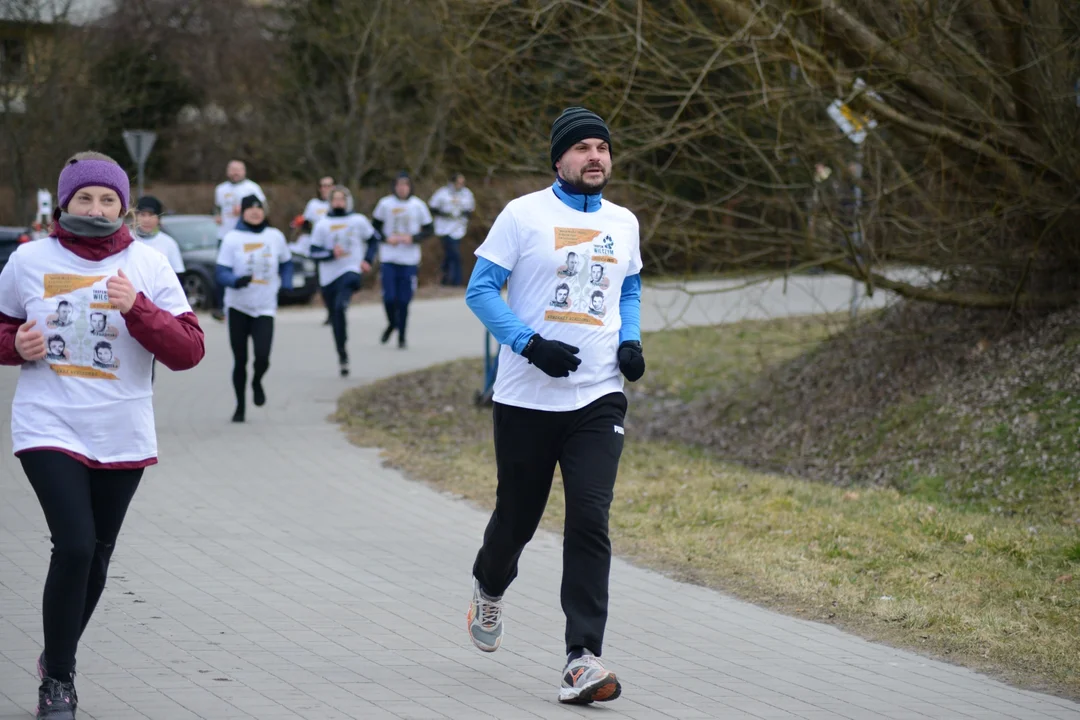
{"points": [[197, 290]]}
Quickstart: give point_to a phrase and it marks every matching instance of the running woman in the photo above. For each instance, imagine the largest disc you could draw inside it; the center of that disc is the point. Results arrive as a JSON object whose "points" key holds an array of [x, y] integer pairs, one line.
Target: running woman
{"points": [[252, 265], [338, 243], [559, 395], [148, 212], [403, 221], [452, 205], [317, 207], [82, 420]]}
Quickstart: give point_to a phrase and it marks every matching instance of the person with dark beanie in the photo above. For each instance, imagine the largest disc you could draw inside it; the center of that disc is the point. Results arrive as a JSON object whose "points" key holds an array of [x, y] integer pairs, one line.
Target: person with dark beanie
{"points": [[82, 420], [338, 243], [402, 222], [559, 392], [253, 263]]}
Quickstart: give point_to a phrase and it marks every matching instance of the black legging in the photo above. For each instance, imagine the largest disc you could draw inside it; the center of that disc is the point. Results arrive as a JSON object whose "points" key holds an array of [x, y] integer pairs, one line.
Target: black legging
{"points": [[261, 331], [84, 509], [338, 295]]}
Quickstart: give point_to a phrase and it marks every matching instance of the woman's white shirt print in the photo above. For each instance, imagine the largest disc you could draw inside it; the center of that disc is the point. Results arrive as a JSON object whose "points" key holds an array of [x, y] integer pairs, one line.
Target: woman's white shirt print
{"points": [[92, 393], [258, 255], [350, 233], [566, 273]]}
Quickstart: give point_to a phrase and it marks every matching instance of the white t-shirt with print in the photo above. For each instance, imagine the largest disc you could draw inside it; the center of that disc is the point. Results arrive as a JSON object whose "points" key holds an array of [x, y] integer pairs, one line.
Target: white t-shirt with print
{"points": [[450, 200], [92, 393], [316, 210], [402, 217], [228, 195], [350, 233], [167, 246], [567, 269], [258, 255]]}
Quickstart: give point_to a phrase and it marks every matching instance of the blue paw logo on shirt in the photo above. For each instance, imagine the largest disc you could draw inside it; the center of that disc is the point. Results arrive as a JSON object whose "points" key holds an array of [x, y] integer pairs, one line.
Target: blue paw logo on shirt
{"points": [[604, 247]]}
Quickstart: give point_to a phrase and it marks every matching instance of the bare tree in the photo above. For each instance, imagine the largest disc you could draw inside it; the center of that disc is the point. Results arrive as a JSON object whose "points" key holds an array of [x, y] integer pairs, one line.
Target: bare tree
{"points": [[973, 168], [42, 94]]}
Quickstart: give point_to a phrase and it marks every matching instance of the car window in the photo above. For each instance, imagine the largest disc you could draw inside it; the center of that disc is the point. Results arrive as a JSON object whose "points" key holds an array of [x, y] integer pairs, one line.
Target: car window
{"points": [[191, 233]]}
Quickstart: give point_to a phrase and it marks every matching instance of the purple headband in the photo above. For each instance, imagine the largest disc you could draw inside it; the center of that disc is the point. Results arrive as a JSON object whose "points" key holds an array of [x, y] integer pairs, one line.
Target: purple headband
{"points": [[84, 173]]}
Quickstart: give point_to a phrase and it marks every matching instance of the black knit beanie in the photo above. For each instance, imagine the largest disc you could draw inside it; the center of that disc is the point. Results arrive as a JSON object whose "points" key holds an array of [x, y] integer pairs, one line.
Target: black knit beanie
{"points": [[249, 202], [149, 203], [574, 125]]}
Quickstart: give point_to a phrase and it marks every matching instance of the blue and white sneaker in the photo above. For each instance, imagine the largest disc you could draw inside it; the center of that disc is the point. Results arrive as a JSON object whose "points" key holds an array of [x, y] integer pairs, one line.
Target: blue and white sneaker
{"points": [[485, 619]]}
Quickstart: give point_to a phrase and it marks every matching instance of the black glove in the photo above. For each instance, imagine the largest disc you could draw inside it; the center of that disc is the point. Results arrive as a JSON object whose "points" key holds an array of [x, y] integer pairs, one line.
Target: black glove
{"points": [[555, 358], [631, 360], [242, 282]]}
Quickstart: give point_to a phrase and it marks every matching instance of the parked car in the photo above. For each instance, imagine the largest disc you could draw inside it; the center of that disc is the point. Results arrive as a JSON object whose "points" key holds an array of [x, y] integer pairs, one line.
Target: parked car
{"points": [[10, 240], [197, 237]]}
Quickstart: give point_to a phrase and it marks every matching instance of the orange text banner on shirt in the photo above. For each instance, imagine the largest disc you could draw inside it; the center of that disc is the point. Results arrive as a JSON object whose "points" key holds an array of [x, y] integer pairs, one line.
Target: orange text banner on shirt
{"points": [[569, 237], [62, 284], [574, 318]]}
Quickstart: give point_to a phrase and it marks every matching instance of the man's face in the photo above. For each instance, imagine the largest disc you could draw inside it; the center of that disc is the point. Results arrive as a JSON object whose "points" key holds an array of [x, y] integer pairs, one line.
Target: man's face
{"points": [[339, 201], [401, 188], [325, 186], [99, 322], [571, 263], [64, 311], [596, 272], [56, 347], [586, 165], [236, 171], [459, 182], [597, 302], [104, 354], [148, 221], [561, 295]]}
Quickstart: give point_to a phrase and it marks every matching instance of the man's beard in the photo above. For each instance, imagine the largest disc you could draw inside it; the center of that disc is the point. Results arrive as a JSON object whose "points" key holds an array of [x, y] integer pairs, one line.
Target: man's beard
{"points": [[579, 183]]}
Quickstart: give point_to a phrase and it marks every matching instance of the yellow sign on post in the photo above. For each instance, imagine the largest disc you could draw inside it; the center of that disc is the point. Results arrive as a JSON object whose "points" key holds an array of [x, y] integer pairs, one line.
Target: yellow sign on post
{"points": [[854, 125]]}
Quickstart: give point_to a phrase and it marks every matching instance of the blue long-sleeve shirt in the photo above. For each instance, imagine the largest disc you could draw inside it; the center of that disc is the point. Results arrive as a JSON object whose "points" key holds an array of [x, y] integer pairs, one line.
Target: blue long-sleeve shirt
{"points": [[484, 294]]}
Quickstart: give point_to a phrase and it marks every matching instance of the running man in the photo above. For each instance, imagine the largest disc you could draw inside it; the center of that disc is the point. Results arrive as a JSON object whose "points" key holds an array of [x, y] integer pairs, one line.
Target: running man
{"points": [[559, 395], [403, 221], [452, 205]]}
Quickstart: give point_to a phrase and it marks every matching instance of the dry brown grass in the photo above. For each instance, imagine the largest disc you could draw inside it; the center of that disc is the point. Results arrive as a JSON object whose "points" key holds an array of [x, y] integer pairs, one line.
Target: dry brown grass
{"points": [[991, 592]]}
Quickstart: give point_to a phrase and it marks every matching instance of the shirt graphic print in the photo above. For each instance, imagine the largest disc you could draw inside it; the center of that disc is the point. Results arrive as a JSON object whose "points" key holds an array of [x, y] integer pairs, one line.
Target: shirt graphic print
{"points": [[79, 339], [580, 285]]}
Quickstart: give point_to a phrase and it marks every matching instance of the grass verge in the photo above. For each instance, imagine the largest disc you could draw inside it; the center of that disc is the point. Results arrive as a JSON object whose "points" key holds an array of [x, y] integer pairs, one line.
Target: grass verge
{"points": [[992, 592]]}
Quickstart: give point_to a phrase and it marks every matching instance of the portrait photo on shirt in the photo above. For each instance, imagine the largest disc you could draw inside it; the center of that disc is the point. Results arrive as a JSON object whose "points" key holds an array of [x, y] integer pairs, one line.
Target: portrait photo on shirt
{"points": [[103, 356], [56, 349], [597, 277], [596, 304], [62, 317], [573, 264], [562, 296], [99, 325]]}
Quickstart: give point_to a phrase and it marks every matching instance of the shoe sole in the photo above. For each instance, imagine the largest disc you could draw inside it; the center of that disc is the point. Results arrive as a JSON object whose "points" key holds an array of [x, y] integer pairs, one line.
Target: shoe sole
{"points": [[477, 643], [603, 690]]}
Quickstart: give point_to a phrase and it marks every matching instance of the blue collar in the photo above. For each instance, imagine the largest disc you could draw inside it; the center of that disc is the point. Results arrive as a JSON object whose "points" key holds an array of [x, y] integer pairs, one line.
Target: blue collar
{"points": [[574, 199]]}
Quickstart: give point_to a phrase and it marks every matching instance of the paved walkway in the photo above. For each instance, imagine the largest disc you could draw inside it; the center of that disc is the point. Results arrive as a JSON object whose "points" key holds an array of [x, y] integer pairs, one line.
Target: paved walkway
{"points": [[272, 570]]}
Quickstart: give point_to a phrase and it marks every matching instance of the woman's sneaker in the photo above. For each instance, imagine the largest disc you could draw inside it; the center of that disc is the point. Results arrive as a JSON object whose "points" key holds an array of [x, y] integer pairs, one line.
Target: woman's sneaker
{"points": [[485, 619], [586, 680], [56, 700]]}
